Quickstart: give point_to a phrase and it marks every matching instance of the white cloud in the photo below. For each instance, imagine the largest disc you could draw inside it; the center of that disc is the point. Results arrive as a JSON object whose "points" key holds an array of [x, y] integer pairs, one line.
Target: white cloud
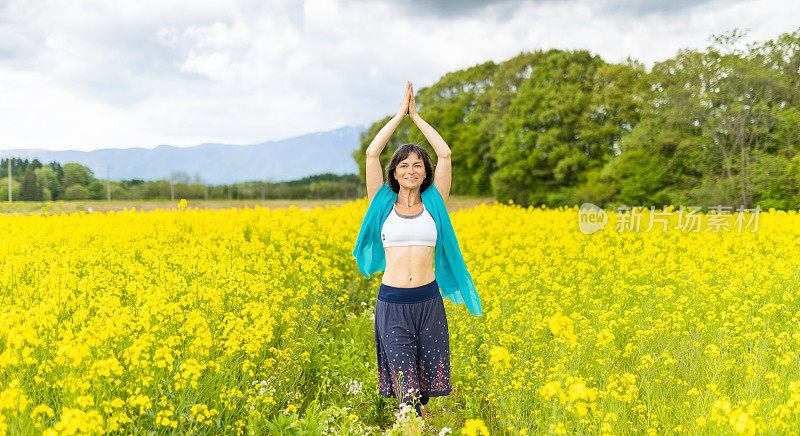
{"points": [[88, 74]]}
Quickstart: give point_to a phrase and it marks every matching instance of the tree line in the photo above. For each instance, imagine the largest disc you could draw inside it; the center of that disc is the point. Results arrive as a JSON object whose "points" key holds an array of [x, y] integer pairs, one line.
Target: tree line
{"points": [[33, 181], [706, 127], [714, 126]]}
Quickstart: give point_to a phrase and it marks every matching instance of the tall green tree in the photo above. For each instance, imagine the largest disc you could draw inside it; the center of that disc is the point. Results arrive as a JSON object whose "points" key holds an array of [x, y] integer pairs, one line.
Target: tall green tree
{"points": [[34, 165], [76, 174], [31, 189], [714, 118], [48, 178], [565, 121], [15, 187], [706, 127]]}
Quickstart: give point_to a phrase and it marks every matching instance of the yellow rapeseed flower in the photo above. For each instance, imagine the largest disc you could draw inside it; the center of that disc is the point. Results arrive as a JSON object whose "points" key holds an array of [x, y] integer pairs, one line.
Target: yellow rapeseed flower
{"points": [[134, 316], [499, 356], [474, 427]]}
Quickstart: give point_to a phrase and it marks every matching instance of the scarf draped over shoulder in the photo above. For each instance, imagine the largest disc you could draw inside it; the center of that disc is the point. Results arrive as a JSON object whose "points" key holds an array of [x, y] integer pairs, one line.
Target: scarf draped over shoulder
{"points": [[451, 272]]}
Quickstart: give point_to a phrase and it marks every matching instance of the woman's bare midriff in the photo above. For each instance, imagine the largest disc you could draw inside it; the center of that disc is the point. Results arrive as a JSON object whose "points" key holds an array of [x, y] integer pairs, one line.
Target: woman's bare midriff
{"points": [[409, 266]]}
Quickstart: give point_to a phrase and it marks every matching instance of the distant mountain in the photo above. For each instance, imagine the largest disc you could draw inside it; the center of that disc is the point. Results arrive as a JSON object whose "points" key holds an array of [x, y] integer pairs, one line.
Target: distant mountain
{"points": [[274, 161]]}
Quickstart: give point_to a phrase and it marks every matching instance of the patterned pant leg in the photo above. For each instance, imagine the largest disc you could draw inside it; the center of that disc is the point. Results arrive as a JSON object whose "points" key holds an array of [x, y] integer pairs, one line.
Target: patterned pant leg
{"points": [[434, 349], [397, 352]]}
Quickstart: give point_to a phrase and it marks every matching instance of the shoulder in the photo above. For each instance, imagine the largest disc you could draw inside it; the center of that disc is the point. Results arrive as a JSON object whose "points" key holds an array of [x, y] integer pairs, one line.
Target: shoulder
{"points": [[383, 195], [385, 190], [434, 200], [432, 193]]}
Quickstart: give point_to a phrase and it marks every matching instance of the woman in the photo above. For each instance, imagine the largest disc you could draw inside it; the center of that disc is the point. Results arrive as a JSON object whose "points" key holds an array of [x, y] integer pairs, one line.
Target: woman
{"points": [[407, 231]]}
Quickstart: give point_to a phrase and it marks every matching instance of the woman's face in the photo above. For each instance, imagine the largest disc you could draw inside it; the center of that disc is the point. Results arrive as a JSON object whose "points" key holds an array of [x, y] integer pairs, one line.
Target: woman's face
{"points": [[410, 172]]}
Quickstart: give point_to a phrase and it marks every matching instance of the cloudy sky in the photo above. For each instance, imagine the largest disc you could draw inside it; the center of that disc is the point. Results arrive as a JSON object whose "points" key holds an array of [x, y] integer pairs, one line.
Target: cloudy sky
{"points": [[83, 75]]}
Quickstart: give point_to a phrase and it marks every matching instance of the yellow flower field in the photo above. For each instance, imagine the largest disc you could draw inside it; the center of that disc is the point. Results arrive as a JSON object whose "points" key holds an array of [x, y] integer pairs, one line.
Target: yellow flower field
{"points": [[256, 321]]}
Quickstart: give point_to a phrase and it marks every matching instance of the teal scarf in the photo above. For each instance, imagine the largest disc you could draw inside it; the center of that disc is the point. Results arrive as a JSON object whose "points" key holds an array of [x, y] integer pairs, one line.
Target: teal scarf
{"points": [[451, 271]]}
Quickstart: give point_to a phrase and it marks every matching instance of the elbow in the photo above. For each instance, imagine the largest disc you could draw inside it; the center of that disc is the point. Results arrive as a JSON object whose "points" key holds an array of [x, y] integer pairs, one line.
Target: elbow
{"points": [[372, 153], [443, 155]]}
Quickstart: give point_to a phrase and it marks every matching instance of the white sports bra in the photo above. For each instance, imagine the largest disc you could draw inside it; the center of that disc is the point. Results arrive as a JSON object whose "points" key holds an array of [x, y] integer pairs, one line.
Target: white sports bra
{"points": [[403, 230]]}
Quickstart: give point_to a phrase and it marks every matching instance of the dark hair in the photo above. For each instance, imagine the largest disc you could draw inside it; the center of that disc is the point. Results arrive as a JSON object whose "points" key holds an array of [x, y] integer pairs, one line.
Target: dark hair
{"points": [[399, 155]]}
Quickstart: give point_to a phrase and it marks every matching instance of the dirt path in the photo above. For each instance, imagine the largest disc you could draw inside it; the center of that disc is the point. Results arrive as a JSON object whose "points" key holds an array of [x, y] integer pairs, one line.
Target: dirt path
{"points": [[454, 203]]}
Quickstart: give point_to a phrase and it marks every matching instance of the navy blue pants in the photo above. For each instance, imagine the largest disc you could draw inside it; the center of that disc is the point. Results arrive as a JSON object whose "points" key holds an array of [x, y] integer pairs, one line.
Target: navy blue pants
{"points": [[411, 336]]}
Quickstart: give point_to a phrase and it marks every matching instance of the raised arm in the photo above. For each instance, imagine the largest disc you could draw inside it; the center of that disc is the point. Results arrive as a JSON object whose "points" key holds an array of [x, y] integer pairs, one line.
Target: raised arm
{"points": [[442, 173], [373, 167]]}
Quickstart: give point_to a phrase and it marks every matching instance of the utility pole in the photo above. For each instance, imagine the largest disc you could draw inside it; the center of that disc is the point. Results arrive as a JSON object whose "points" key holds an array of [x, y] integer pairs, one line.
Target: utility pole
{"points": [[206, 192], [9, 179], [108, 181], [171, 190]]}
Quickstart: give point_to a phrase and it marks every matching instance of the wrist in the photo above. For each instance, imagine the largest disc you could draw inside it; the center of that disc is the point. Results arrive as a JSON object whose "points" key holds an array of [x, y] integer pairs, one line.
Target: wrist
{"points": [[415, 117]]}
